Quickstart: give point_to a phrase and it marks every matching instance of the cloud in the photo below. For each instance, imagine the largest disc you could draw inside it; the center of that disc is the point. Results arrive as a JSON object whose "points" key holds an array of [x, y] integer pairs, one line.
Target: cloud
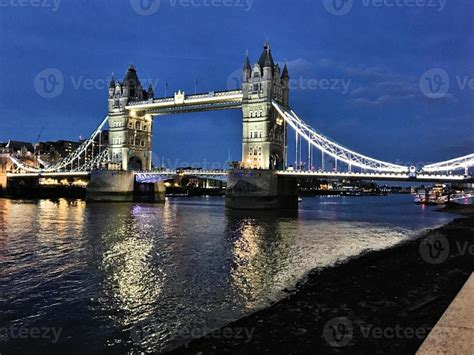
{"points": [[460, 149], [360, 91], [297, 66], [379, 86], [326, 62], [381, 100]]}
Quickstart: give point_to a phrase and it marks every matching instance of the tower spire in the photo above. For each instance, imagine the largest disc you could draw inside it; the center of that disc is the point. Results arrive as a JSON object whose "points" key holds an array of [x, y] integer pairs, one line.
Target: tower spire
{"points": [[112, 82], [285, 74], [247, 65], [266, 59], [150, 91]]}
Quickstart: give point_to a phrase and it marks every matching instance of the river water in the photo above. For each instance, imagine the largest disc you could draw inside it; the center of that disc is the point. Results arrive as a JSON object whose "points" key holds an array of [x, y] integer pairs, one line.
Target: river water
{"points": [[148, 277]]}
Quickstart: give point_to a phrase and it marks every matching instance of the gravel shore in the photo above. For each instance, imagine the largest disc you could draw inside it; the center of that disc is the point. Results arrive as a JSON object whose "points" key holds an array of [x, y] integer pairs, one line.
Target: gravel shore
{"points": [[381, 302]]}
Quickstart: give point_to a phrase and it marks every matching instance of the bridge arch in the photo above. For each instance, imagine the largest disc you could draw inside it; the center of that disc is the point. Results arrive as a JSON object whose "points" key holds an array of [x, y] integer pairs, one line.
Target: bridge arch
{"points": [[135, 164]]}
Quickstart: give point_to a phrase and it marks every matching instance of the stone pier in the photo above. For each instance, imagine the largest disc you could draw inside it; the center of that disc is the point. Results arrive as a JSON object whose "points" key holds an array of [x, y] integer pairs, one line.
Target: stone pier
{"points": [[3, 172], [256, 189], [3, 183], [120, 186]]}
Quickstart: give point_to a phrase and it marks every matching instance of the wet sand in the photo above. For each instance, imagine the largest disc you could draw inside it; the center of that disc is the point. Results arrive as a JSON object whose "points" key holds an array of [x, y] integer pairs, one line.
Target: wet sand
{"points": [[381, 302]]}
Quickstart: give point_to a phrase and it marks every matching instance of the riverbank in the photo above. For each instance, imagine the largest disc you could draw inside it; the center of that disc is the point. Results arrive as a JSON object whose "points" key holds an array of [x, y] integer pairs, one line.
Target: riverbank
{"points": [[381, 302], [465, 210]]}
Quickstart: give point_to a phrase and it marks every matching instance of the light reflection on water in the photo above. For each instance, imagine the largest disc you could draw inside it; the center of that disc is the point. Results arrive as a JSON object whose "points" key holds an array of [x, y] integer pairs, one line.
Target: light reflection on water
{"points": [[135, 276]]}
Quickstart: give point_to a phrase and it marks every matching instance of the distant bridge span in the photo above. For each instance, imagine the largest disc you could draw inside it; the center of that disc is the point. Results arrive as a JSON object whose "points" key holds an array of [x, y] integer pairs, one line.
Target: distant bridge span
{"points": [[156, 176]]}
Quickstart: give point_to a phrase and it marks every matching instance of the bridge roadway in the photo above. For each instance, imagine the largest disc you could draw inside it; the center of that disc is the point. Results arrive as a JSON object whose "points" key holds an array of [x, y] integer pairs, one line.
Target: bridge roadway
{"points": [[421, 177], [182, 103], [153, 176]]}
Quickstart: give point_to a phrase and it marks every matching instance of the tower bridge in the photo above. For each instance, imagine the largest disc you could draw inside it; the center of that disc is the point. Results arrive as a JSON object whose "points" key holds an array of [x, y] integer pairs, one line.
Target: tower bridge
{"points": [[261, 180], [163, 174]]}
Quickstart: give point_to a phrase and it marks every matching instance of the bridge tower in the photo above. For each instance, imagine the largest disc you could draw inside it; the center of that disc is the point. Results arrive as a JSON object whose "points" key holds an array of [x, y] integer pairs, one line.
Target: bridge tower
{"points": [[130, 132], [264, 131], [264, 140]]}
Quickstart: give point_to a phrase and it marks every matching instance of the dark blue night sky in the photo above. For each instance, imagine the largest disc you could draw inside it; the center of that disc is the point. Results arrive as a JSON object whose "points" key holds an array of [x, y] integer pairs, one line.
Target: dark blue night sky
{"points": [[373, 57]]}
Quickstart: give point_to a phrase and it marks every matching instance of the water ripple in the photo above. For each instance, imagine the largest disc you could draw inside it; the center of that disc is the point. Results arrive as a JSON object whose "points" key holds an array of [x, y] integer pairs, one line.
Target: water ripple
{"points": [[125, 277]]}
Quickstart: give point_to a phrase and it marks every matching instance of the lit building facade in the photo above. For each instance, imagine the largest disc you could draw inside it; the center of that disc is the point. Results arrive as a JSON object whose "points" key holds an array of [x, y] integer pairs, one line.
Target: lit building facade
{"points": [[264, 131], [130, 133]]}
